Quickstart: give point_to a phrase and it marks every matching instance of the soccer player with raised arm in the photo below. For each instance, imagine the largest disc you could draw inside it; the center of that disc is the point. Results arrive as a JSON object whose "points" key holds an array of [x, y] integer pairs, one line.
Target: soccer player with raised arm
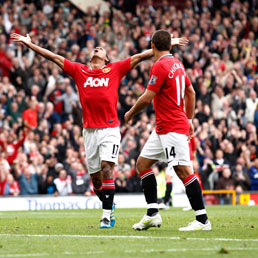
{"points": [[98, 91], [172, 92]]}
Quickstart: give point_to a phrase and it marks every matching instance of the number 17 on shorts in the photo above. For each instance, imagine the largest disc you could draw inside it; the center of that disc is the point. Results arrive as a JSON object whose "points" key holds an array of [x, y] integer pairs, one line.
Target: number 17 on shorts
{"points": [[115, 151]]}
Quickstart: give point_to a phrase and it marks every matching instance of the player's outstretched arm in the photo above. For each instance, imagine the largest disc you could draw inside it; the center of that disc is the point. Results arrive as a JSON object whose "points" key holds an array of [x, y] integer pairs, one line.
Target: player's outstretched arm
{"points": [[59, 60], [135, 59], [140, 104]]}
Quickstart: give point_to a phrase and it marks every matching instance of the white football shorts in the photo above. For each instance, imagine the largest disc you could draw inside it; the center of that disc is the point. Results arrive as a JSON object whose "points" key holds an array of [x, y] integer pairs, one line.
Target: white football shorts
{"points": [[101, 144], [172, 148], [170, 171]]}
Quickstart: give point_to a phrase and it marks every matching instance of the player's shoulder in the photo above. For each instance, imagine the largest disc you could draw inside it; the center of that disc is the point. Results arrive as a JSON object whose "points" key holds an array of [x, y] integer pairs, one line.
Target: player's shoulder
{"points": [[176, 64], [163, 63], [170, 60], [77, 64], [82, 66], [177, 61], [118, 67], [158, 64], [118, 62]]}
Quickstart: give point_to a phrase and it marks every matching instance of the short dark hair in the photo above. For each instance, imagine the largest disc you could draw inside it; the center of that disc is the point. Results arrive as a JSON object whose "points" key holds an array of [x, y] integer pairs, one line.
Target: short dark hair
{"points": [[162, 40]]}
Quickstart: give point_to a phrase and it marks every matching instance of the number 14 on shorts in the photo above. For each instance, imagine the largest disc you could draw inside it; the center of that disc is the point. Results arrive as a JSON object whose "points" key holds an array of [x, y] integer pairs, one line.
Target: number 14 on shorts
{"points": [[170, 151]]}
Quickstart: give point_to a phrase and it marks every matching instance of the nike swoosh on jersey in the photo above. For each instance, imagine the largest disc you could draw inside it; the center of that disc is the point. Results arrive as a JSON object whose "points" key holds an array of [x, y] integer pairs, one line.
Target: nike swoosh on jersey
{"points": [[84, 71]]}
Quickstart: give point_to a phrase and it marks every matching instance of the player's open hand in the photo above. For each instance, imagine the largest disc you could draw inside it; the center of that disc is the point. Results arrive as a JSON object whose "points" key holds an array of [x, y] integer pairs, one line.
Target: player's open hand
{"points": [[179, 41], [183, 41], [21, 39]]}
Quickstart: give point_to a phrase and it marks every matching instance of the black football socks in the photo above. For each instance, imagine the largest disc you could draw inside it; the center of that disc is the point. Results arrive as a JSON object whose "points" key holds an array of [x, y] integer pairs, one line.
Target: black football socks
{"points": [[194, 194], [108, 192], [149, 185], [98, 192]]}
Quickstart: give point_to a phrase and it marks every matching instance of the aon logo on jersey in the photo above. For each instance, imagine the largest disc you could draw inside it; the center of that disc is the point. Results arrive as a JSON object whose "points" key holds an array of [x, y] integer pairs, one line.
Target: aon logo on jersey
{"points": [[97, 82]]}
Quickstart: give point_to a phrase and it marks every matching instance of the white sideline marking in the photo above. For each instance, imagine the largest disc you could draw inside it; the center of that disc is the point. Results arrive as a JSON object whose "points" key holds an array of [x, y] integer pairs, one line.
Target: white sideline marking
{"points": [[44, 254], [23, 255], [136, 237], [192, 250], [131, 251]]}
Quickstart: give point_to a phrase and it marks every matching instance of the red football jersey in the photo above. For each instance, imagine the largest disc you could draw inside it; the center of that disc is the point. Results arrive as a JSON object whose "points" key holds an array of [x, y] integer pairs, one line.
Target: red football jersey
{"points": [[98, 91], [168, 79]]}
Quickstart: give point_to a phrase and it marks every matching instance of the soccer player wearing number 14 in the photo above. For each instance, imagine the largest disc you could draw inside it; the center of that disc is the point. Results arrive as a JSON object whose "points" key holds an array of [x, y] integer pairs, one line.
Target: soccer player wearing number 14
{"points": [[171, 91]]}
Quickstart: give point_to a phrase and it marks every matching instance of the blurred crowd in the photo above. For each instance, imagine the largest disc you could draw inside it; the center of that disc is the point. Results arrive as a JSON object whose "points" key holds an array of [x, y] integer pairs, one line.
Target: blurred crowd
{"points": [[41, 144]]}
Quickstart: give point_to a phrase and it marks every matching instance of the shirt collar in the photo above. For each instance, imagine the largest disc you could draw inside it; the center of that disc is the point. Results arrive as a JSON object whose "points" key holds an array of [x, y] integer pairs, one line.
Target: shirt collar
{"points": [[166, 55], [99, 68]]}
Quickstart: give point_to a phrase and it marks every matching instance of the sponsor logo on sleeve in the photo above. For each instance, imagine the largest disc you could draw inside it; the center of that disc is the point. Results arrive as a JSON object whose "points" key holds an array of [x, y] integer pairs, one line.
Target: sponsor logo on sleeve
{"points": [[153, 80]]}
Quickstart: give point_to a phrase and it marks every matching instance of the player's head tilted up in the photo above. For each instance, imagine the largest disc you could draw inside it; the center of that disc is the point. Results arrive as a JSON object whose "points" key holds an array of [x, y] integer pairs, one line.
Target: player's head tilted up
{"points": [[98, 58]]}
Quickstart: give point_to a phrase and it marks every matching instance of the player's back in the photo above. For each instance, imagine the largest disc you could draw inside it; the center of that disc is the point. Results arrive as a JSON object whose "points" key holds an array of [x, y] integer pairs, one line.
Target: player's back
{"points": [[168, 80]]}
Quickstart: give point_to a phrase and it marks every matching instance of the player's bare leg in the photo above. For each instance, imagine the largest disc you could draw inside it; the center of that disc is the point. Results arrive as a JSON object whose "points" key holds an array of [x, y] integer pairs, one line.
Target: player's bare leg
{"points": [[149, 185], [194, 194], [96, 179], [100, 178], [108, 192]]}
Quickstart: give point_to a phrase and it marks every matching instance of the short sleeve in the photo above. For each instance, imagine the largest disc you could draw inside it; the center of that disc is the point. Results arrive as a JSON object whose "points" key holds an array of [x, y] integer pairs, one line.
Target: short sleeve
{"points": [[123, 66], [70, 67], [158, 76], [187, 81]]}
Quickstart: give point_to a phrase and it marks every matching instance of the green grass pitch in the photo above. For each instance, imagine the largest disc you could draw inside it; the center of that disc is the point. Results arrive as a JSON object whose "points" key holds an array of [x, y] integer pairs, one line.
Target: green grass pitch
{"points": [[76, 233]]}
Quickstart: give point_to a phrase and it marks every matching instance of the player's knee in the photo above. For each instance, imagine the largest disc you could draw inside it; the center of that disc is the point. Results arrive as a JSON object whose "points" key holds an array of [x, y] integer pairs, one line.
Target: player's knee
{"points": [[96, 180], [139, 166], [106, 167], [183, 171], [143, 164], [107, 170]]}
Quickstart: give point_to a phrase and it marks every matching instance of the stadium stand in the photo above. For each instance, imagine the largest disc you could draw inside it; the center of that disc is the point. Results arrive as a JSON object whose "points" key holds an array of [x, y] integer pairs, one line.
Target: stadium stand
{"points": [[40, 115]]}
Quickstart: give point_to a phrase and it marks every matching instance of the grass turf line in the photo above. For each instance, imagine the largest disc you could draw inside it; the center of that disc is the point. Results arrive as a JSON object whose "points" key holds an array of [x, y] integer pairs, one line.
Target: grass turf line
{"points": [[236, 222]]}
